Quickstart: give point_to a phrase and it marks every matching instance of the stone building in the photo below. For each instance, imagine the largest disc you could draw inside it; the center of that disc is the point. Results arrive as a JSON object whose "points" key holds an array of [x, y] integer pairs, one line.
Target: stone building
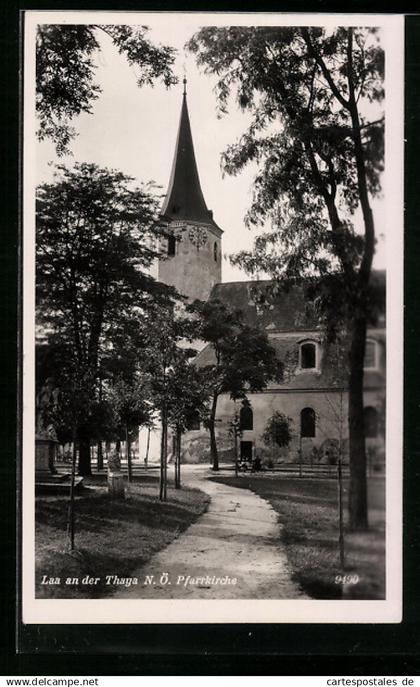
{"points": [[313, 390]]}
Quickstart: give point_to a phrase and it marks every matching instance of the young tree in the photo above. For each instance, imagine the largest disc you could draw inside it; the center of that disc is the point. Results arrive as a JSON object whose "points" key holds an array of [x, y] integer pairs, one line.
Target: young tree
{"points": [[277, 430], [242, 360], [130, 398], [235, 431], [65, 71], [188, 395], [93, 245], [67, 400], [164, 358], [318, 141]]}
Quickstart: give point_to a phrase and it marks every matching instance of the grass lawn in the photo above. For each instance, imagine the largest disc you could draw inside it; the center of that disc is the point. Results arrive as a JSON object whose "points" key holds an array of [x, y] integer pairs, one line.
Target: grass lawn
{"points": [[112, 537], [307, 509]]}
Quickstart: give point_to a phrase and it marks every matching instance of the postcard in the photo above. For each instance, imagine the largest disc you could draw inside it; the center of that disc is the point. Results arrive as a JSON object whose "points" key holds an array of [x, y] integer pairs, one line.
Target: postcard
{"points": [[212, 249]]}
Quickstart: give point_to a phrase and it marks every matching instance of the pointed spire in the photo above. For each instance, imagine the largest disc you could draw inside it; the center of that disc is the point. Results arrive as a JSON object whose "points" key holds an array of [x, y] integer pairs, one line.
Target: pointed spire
{"points": [[184, 80], [184, 199]]}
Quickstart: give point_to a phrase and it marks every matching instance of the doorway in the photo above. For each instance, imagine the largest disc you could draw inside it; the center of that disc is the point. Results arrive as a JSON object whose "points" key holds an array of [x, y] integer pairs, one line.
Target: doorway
{"points": [[246, 451]]}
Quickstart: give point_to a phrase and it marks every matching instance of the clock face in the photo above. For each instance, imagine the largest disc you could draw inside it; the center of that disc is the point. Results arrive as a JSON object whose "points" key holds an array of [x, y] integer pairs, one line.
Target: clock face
{"points": [[197, 235]]}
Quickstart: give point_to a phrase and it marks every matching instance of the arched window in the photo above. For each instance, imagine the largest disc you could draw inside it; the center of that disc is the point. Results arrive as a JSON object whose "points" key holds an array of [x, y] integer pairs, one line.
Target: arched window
{"points": [[371, 422], [171, 245], [215, 251], [308, 355], [371, 355], [193, 422], [307, 422], [246, 418]]}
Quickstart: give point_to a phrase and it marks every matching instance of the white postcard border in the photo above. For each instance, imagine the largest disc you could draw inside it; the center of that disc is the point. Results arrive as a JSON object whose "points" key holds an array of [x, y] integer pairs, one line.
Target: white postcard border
{"points": [[62, 611]]}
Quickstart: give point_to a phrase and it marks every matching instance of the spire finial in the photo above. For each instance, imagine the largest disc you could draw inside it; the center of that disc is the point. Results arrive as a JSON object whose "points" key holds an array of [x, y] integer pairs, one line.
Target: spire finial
{"points": [[184, 80]]}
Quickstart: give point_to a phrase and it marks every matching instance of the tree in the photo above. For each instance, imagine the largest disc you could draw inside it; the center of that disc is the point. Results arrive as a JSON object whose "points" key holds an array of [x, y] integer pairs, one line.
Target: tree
{"points": [[277, 430], [242, 360], [67, 400], [164, 357], [318, 141], [93, 245], [235, 431], [130, 399], [187, 400], [65, 71]]}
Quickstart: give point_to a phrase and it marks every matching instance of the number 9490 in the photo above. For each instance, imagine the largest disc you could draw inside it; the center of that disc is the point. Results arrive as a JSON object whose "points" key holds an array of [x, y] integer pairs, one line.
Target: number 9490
{"points": [[346, 579]]}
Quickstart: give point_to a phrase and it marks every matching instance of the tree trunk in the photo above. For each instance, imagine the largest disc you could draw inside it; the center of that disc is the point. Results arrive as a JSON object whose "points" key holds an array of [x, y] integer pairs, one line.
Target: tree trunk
{"points": [[128, 452], [340, 490], [213, 445], [300, 453], [165, 462], [70, 516], [161, 463], [146, 457], [100, 462], [85, 468], [163, 457], [178, 459], [175, 454], [358, 484]]}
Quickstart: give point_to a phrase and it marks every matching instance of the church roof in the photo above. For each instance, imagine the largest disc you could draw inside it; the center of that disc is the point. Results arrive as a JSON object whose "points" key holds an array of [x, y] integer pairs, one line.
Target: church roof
{"points": [[184, 199], [286, 311]]}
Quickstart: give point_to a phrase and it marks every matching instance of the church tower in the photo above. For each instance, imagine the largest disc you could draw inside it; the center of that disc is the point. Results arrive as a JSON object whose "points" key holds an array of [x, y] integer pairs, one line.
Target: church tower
{"points": [[192, 262]]}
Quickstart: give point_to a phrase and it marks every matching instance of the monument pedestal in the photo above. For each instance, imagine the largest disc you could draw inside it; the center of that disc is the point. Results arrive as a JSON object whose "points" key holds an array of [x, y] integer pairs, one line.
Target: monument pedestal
{"points": [[116, 485], [45, 450], [47, 479]]}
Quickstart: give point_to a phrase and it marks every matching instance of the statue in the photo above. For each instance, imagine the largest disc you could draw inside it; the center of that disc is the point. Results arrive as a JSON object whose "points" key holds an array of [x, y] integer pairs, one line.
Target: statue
{"points": [[116, 486], [46, 402]]}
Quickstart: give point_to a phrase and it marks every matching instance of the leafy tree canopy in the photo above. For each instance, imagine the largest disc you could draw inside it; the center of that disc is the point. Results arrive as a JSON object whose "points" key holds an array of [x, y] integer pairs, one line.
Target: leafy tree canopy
{"points": [[64, 397], [187, 393], [95, 235], [65, 71], [240, 359], [165, 352], [317, 140], [277, 430], [130, 401], [243, 360]]}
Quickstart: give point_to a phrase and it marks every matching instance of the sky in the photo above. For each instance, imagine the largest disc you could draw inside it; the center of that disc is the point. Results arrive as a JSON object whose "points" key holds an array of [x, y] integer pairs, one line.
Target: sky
{"points": [[134, 129]]}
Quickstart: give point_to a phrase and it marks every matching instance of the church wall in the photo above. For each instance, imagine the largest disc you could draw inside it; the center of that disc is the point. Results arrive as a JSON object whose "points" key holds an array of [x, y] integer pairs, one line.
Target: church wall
{"points": [[196, 445], [326, 406], [193, 270], [154, 445]]}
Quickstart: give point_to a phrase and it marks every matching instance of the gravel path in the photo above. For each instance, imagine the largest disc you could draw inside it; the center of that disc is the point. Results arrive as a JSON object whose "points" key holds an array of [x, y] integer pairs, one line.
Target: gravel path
{"points": [[237, 538]]}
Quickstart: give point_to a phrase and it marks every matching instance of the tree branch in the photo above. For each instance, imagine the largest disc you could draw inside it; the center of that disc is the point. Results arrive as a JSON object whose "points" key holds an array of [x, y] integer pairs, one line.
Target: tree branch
{"points": [[313, 52]]}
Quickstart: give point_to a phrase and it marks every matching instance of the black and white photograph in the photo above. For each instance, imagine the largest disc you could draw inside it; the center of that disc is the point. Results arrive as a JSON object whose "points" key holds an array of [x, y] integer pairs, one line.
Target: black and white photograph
{"points": [[212, 247]]}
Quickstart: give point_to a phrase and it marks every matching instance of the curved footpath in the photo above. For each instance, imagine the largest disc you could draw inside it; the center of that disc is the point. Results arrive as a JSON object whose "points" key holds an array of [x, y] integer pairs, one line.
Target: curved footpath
{"points": [[237, 538]]}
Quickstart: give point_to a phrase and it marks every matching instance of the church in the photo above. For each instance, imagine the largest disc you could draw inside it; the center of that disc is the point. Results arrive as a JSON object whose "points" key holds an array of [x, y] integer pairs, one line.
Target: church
{"points": [[313, 390]]}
